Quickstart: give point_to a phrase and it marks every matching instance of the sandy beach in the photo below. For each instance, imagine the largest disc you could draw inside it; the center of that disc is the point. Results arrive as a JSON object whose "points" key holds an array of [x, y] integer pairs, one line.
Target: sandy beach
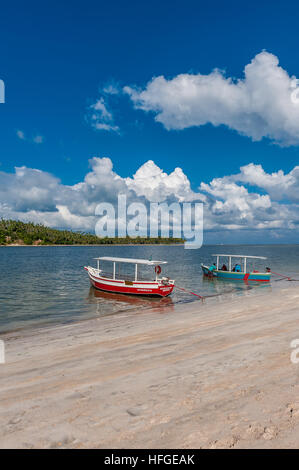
{"points": [[206, 375]]}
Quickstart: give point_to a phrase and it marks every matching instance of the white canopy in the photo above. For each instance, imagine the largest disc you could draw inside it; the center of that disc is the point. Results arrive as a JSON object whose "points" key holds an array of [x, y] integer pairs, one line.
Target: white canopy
{"points": [[242, 256], [131, 260]]}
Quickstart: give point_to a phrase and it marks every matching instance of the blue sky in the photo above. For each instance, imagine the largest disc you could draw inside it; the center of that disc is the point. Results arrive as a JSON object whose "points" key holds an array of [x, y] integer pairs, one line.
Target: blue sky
{"points": [[57, 58]]}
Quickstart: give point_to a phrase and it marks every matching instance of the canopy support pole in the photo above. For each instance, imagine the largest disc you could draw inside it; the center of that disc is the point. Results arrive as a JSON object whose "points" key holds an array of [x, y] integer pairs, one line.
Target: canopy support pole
{"points": [[245, 265], [217, 263], [114, 270], [136, 271], [229, 263]]}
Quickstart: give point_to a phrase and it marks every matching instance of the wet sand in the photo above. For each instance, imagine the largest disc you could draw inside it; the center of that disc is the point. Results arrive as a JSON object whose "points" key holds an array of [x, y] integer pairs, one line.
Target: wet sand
{"points": [[206, 375]]}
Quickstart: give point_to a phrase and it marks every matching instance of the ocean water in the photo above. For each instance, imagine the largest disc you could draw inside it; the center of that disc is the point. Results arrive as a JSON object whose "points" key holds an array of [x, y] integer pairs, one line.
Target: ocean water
{"points": [[48, 285]]}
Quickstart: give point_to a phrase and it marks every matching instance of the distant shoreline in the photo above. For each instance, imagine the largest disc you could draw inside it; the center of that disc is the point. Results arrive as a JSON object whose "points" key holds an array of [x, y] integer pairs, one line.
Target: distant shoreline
{"points": [[100, 244], [18, 233]]}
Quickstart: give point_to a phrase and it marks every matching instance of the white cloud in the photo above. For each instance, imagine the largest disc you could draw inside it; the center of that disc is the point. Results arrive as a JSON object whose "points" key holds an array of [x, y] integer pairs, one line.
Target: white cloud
{"points": [[233, 205], [38, 139], [111, 89], [21, 135], [278, 184], [233, 202], [100, 117], [155, 185], [259, 105]]}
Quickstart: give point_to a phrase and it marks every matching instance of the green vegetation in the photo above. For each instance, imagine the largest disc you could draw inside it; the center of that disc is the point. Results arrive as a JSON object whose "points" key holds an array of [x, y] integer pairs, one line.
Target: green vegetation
{"points": [[20, 233]]}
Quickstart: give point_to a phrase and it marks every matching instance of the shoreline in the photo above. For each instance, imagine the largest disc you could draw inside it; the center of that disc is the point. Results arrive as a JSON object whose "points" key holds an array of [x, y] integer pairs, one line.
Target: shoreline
{"points": [[213, 377], [155, 244], [225, 298], [102, 244]]}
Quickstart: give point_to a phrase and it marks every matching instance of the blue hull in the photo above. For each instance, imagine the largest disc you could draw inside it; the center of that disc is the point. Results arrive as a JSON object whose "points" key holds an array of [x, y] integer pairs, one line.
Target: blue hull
{"points": [[235, 276]]}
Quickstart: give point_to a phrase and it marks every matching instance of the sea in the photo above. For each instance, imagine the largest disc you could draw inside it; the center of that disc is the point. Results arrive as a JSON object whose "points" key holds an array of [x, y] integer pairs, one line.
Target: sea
{"points": [[47, 285]]}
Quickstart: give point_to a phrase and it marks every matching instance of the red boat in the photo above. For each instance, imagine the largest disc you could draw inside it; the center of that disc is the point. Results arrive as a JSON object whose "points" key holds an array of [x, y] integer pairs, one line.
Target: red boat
{"points": [[127, 284]]}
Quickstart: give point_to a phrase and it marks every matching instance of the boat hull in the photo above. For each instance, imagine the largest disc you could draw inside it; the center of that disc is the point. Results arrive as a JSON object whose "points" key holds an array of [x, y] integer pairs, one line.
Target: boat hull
{"points": [[236, 276], [142, 288]]}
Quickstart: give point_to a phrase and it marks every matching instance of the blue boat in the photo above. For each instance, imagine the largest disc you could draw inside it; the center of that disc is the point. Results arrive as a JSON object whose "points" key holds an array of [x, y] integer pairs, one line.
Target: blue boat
{"points": [[239, 272]]}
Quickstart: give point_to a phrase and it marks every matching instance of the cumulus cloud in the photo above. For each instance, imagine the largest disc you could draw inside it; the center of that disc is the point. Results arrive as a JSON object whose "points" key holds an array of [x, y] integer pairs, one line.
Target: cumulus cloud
{"points": [[251, 201], [156, 185], [261, 104], [28, 189], [278, 184], [234, 206]]}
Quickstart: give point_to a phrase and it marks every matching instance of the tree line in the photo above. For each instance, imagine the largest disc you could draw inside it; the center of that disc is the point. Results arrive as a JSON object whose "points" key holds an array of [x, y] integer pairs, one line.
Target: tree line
{"points": [[21, 233]]}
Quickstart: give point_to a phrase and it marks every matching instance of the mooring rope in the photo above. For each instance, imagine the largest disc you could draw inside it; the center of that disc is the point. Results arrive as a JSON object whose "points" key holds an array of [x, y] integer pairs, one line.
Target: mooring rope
{"points": [[189, 292], [283, 276], [202, 298]]}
